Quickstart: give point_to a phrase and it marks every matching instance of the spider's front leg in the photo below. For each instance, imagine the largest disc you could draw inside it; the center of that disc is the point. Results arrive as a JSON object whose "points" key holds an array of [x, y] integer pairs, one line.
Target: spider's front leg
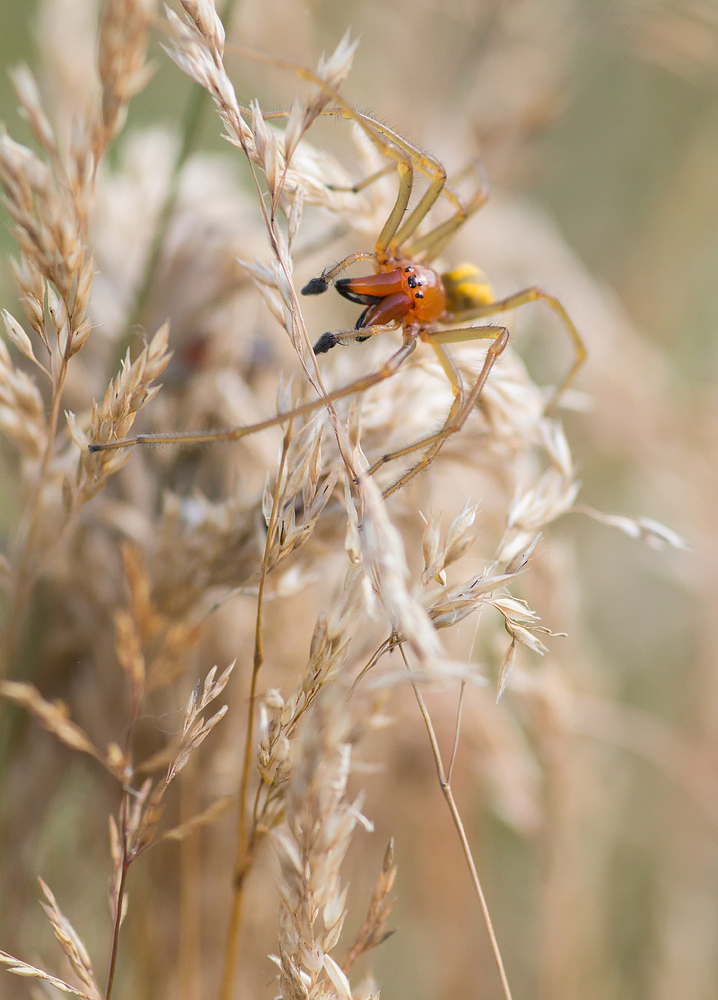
{"points": [[383, 294], [317, 286]]}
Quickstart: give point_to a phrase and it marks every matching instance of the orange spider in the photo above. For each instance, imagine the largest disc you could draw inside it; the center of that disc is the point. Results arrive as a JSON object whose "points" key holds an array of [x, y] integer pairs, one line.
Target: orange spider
{"points": [[404, 291]]}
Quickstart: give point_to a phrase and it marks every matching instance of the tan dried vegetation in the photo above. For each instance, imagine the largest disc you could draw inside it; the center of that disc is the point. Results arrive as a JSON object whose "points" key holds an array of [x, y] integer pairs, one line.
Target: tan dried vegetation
{"points": [[275, 552]]}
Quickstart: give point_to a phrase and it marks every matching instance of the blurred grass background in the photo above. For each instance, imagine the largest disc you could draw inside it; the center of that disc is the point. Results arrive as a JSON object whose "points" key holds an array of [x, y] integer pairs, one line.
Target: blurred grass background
{"points": [[620, 151]]}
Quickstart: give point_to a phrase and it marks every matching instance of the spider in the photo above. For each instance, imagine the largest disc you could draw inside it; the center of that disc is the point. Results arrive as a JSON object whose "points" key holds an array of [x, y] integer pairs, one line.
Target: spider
{"points": [[404, 291]]}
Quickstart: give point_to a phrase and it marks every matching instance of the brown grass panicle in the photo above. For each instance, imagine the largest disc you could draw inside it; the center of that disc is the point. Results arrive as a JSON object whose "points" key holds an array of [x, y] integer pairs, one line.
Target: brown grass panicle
{"points": [[278, 550], [48, 196], [142, 801], [311, 847]]}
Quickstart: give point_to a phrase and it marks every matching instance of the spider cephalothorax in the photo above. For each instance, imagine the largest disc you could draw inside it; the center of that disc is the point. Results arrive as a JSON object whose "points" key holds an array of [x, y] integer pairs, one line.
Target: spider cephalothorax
{"points": [[406, 292]]}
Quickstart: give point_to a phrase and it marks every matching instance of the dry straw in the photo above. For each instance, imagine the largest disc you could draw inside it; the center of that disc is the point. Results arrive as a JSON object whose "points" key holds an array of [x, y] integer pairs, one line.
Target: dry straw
{"points": [[304, 515]]}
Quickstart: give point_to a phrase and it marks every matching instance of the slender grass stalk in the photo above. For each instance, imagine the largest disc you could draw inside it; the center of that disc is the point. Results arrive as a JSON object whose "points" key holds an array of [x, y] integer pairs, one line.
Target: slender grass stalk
{"points": [[120, 895], [244, 852], [445, 784]]}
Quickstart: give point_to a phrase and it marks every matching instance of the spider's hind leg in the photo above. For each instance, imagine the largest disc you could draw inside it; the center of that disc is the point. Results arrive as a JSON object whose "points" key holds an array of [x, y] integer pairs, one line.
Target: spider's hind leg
{"points": [[535, 294], [463, 402], [432, 243]]}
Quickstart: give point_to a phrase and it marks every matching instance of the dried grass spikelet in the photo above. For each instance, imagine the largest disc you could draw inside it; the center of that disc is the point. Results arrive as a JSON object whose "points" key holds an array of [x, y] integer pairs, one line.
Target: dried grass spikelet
{"points": [[373, 931], [446, 606], [154, 648], [280, 719], [49, 200], [149, 806], [53, 716], [384, 559], [73, 948], [311, 848], [196, 45], [302, 491], [71, 944], [49, 227], [125, 396], [122, 63], [193, 45], [22, 412]]}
